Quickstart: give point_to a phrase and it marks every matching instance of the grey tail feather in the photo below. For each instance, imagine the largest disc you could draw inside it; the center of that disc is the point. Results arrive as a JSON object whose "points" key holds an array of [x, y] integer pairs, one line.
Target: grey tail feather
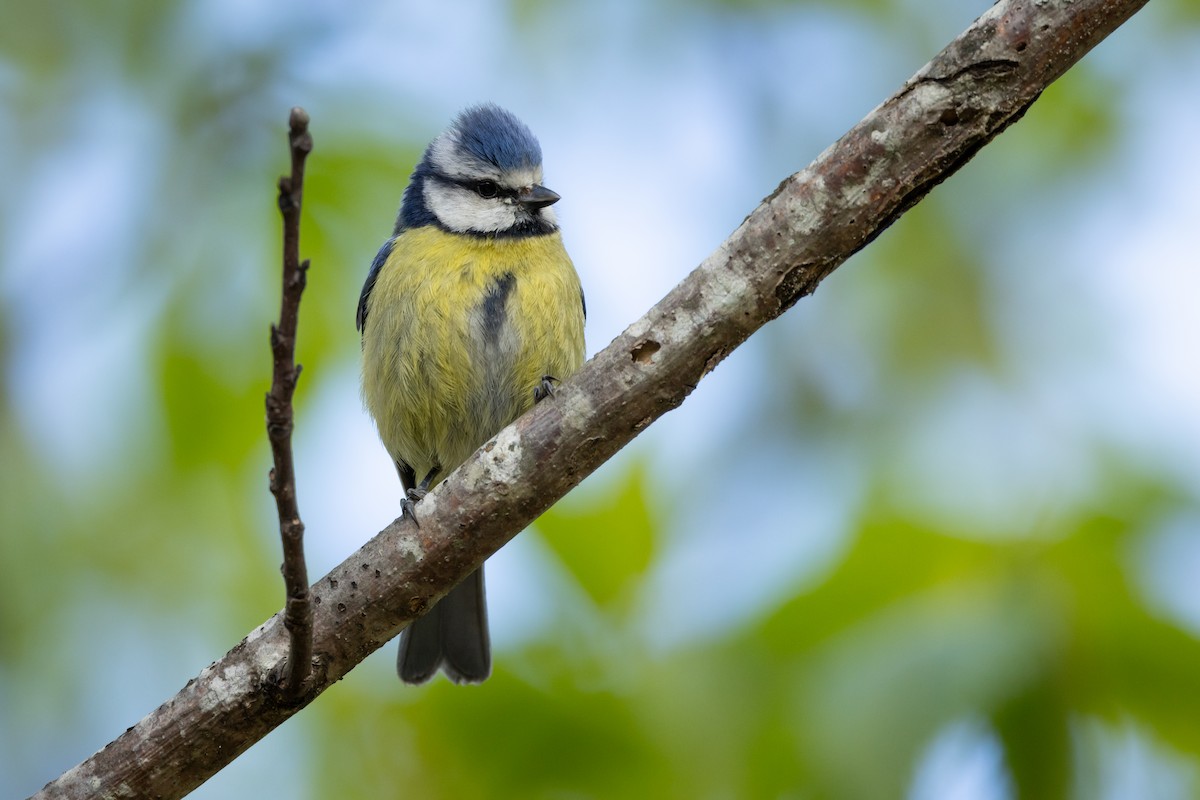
{"points": [[453, 635]]}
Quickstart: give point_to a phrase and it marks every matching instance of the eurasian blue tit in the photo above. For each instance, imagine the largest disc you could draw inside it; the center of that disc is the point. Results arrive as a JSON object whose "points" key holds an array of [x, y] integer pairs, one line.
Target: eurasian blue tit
{"points": [[470, 314]]}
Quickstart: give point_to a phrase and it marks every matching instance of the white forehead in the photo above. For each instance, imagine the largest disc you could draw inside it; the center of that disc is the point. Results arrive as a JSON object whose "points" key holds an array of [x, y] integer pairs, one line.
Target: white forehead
{"points": [[454, 161]]}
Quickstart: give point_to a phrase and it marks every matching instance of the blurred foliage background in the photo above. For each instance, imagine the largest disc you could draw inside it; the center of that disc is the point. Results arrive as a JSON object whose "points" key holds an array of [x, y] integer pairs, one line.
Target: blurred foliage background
{"points": [[934, 534]]}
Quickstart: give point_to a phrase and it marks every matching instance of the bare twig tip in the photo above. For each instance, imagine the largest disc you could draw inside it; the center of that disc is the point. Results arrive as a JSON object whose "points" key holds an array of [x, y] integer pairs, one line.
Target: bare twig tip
{"points": [[298, 120]]}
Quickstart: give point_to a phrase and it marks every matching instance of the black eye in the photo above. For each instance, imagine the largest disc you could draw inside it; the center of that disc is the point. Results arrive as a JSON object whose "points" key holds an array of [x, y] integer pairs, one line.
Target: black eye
{"points": [[487, 189]]}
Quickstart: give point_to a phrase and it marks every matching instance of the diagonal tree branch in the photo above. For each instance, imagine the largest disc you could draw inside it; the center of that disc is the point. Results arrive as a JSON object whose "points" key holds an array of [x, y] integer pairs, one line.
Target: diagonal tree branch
{"points": [[970, 92]]}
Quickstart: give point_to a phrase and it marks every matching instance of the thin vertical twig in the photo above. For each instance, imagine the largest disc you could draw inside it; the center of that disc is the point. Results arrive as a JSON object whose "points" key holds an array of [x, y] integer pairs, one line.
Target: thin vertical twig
{"points": [[298, 612]]}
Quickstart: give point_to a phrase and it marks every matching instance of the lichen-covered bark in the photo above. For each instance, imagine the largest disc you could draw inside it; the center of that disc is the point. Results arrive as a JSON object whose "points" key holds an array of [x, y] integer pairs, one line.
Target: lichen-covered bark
{"points": [[816, 219]]}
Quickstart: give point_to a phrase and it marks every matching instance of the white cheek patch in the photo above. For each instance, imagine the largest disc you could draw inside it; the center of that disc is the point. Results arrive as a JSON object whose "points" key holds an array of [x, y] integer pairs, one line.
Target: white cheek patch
{"points": [[463, 210]]}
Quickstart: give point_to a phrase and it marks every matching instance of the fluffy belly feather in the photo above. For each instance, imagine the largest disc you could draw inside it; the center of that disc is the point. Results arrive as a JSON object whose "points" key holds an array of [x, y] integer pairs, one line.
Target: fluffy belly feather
{"points": [[459, 334]]}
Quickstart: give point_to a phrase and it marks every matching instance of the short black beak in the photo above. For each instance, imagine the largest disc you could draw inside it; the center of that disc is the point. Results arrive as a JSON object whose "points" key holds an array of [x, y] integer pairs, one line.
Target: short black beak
{"points": [[536, 197]]}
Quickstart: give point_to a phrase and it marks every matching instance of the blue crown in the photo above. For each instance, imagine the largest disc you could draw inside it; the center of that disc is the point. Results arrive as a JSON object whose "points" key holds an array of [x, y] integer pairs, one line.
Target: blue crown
{"points": [[492, 134]]}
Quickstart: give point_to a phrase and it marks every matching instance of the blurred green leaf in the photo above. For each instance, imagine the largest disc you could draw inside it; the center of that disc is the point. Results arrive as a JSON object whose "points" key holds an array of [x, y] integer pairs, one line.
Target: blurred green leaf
{"points": [[606, 544], [1034, 727], [1068, 129], [1182, 15], [502, 739], [930, 290], [211, 418], [1124, 661]]}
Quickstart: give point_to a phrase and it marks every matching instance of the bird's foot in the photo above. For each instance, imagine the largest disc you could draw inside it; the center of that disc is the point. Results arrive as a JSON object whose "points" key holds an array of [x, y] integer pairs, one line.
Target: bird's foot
{"points": [[408, 503], [408, 508], [545, 388]]}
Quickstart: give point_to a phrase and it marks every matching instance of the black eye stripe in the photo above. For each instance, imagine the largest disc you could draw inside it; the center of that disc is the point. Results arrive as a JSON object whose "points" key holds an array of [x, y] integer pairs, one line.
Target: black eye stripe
{"points": [[487, 189]]}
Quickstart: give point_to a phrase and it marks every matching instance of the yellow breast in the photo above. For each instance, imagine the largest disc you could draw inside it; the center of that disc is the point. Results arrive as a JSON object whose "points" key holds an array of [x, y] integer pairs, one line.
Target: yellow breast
{"points": [[460, 331]]}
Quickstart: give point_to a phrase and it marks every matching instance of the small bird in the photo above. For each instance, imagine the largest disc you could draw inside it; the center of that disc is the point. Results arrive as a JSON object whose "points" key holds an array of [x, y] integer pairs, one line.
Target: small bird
{"points": [[472, 311]]}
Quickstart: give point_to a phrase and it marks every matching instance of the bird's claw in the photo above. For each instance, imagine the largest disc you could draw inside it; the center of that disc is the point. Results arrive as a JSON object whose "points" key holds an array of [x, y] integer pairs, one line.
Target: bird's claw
{"points": [[408, 503], [545, 388]]}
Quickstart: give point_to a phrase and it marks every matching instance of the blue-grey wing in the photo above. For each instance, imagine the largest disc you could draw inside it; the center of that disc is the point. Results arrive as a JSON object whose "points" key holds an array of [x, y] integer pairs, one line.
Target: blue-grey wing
{"points": [[360, 319]]}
